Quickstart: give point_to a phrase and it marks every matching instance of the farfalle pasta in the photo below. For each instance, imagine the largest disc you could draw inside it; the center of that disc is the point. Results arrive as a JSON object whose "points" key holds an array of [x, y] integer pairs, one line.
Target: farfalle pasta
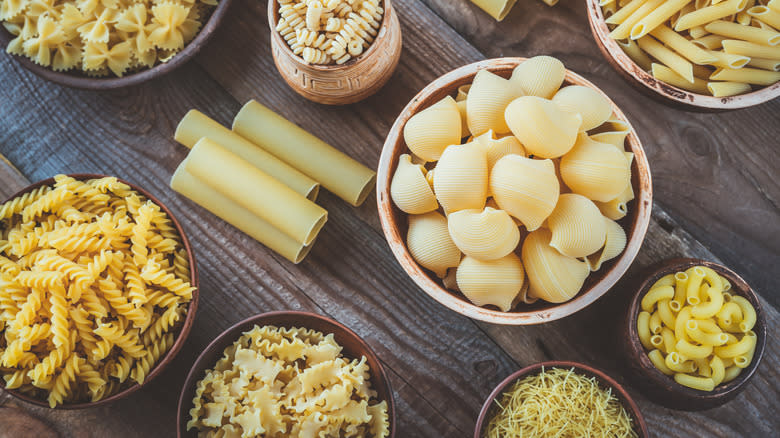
{"points": [[287, 382], [93, 280], [101, 37], [523, 205]]}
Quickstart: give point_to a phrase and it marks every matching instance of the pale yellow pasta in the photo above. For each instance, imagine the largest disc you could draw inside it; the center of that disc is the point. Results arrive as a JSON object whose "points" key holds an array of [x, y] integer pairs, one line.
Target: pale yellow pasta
{"points": [[750, 49], [542, 126], [731, 373], [765, 64], [460, 180], [598, 171], [747, 75], [625, 11], [497, 148], [680, 288], [669, 340], [410, 190], [643, 329], [723, 89], [635, 53], [730, 315], [710, 307], [552, 276], [613, 246], [623, 30], [464, 122], [497, 282], [488, 97], [710, 42], [666, 312], [679, 325], [700, 383], [431, 130], [681, 45], [577, 226], [591, 105], [697, 334], [657, 17], [729, 60], [497, 9], [525, 188], [657, 358], [748, 313], [692, 351], [655, 323], [617, 208], [766, 15], [487, 234], [680, 65], [746, 33], [430, 244], [539, 76], [677, 363], [710, 13]]}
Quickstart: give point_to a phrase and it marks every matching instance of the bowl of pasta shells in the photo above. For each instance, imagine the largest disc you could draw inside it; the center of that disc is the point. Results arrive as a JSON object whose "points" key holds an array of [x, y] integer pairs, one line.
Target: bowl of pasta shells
{"points": [[514, 191], [693, 54], [98, 290], [106, 45], [287, 374], [696, 334]]}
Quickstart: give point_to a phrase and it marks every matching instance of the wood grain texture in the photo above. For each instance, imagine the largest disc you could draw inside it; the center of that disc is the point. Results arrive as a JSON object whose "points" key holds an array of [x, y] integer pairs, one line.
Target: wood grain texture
{"points": [[441, 365]]}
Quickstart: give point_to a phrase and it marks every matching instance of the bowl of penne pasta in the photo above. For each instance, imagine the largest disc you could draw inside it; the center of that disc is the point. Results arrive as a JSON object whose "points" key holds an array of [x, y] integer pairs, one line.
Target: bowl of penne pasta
{"points": [[99, 290], [695, 334], [701, 55]]}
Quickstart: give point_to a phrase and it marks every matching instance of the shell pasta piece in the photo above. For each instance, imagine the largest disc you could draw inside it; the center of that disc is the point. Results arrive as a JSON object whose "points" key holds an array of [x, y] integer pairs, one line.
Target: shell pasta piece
{"points": [[594, 108], [614, 244], [460, 180], [497, 282], [410, 190], [598, 171], [552, 276], [497, 148], [487, 234], [577, 226], [544, 128], [431, 130], [539, 76], [487, 99], [527, 189], [430, 243]]}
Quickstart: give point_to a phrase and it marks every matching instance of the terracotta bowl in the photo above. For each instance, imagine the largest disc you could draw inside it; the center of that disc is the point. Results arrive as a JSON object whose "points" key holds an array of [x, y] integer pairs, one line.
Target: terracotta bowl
{"points": [[80, 80], [353, 347], [181, 332], [661, 388], [661, 91], [606, 382], [395, 224], [350, 82]]}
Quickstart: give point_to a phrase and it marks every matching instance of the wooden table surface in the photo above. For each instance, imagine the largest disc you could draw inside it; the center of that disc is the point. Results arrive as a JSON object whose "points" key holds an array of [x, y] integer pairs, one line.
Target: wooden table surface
{"points": [[717, 197]]}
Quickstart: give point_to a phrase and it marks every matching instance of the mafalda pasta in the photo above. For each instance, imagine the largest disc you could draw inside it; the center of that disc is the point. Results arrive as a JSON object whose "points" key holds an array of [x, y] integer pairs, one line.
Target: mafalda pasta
{"points": [[94, 279], [329, 31], [534, 191], [287, 382], [102, 37]]}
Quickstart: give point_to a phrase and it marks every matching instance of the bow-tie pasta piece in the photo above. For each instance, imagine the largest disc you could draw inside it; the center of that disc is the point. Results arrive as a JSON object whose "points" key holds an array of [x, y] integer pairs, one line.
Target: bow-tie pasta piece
{"points": [[487, 99], [527, 189], [460, 180], [39, 47], [552, 276], [594, 108], [539, 76], [617, 208], [409, 188], [598, 171], [67, 56], [542, 127], [430, 131], [496, 282], [487, 234], [167, 21], [430, 244], [613, 246], [577, 226], [117, 58]]}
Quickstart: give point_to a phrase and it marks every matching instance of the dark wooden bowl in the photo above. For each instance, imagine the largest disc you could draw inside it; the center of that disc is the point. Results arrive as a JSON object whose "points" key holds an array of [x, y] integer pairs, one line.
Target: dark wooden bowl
{"points": [[661, 91], [395, 224], [77, 79], [604, 380], [182, 332], [353, 347], [661, 388]]}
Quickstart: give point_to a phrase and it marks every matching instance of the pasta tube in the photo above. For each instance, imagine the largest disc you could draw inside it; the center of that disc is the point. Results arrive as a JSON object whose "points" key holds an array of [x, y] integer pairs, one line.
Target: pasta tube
{"points": [[700, 383], [654, 19], [680, 65], [766, 15], [710, 13], [497, 9], [264, 196], [184, 183], [742, 32], [636, 54], [624, 29], [682, 46], [625, 11], [724, 89], [749, 49], [765, 64], [196, 125], [343, 176], [747, 75], [665, 74]]}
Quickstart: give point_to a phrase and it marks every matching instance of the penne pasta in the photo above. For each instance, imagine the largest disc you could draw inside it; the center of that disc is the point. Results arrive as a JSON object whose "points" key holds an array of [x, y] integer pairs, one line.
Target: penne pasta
{"points": [[672, 60], [725, 89], [684, 47], [743, 32], [636, 54], [625, 12], [745, 48], [710, 42], [729, 60], [710, 13], [747, 75], [624, 29], [657, 17], [766, 15], [765, 64], [697, 32]]}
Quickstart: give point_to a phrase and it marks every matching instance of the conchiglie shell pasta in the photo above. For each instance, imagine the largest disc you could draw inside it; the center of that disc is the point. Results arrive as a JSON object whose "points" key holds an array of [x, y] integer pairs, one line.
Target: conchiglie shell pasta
{"points": [[526, 188], [430, 244], [614, 131], [614, 244], [577, 226], [598, 171], [539, 76], [552, 276], [594, 108], [617, 208], [464, 124], [495, 148], [460, 180], [431, 130], [463, 93], [487, 234], [496, 282], [487, 99], [542, 127], [410, 190]]}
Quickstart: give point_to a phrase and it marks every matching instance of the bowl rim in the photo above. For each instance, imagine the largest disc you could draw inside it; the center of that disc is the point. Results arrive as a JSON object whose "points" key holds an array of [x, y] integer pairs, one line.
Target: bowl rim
{"points": [[738, 284], [75, 79], [183, 331], [642, 204], [234, 331], [273, 19], [667, 93], [625, 398]]}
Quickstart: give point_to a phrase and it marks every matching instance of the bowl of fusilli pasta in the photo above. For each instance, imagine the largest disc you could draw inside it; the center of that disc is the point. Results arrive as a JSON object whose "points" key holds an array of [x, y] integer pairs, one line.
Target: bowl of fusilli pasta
{"points": [[98, 290]]}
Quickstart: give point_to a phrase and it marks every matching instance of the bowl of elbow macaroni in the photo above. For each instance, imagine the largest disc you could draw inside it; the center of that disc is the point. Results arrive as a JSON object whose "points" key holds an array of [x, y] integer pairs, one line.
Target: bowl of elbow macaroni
{"points": [[696, 334], [700, 55]]}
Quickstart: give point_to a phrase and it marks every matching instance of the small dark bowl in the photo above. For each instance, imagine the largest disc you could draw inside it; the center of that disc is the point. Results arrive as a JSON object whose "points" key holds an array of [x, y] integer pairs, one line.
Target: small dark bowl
{"points": [[353, 347], [76, 79], [661, 388], [605, 381], [182, 332]]}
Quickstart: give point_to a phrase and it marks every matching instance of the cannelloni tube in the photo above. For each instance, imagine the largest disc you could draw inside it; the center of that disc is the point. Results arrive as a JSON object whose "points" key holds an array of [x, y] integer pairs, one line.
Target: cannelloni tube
{"points": [[198, 192], [343, 176], [255, 190], [497, 9], [196, 125]]}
